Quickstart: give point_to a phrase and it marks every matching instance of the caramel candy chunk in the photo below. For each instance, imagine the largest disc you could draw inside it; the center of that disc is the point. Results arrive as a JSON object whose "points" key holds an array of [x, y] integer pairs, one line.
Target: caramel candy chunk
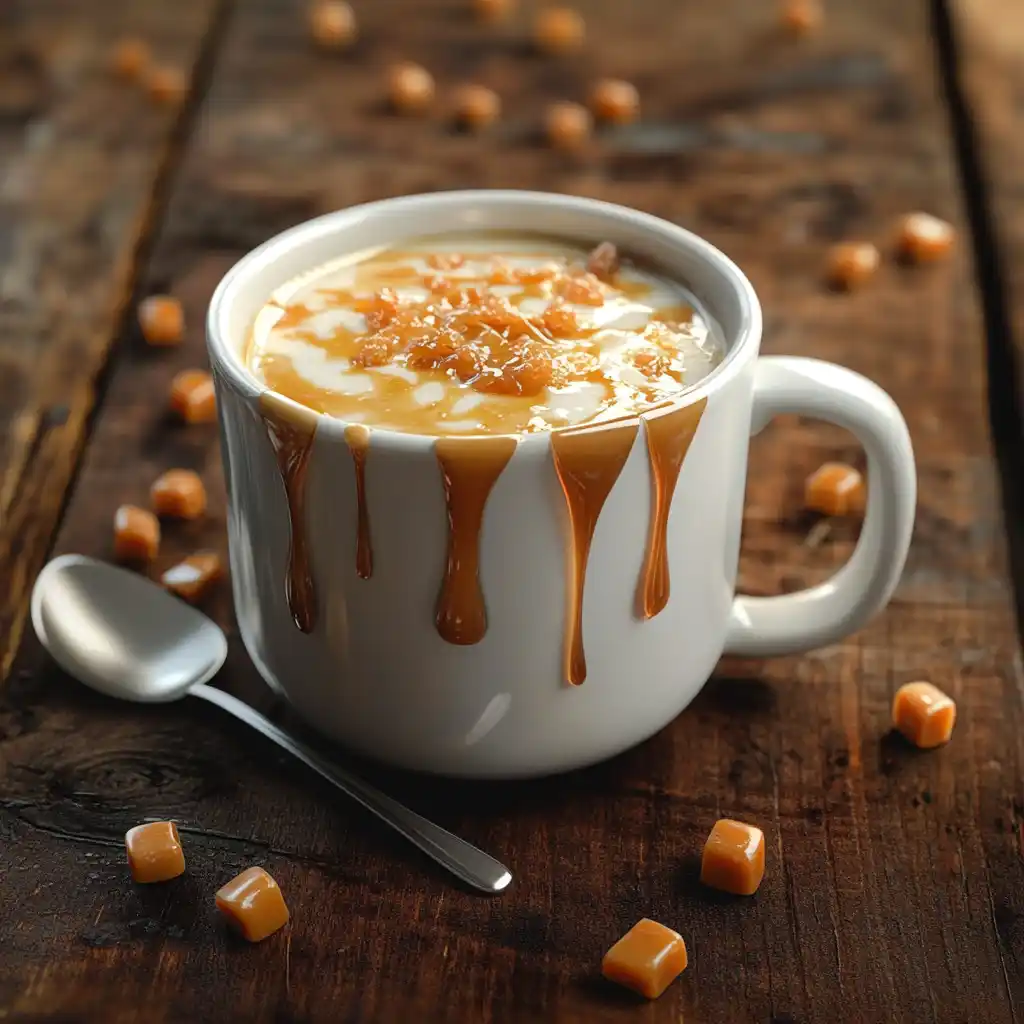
{"points": [[154, 851], [492, 10], [801, 17], [411, 88], [192, 396], [136, 534], [477, 107], [332, 24], [567, 125], [834, 489], [851, 264], [733, 858], [603, 261], [615, 101], [924, 714], [253, 904], [166, 85], [922, 238], [191, 578], [129, 59], [647, 959], [162, 320], [559, 30], [178, 493]]}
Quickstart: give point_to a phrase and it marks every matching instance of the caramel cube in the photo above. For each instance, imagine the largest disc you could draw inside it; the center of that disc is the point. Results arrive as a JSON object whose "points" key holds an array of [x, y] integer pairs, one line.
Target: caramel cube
{"points": [[253, 904], [647, 959], [154, 852], [834, 489], [192, 578], [178, 493], [851, 264], [136, 534], [801, 17], [193, 398], [733, 858], [129, 59], [162, 320], [924, 714], [922, 238]]}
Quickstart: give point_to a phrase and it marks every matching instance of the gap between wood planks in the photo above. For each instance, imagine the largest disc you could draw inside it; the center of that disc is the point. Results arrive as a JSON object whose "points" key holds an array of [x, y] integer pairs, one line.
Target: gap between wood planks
{"points": [[1006, 416], [173, 152]]}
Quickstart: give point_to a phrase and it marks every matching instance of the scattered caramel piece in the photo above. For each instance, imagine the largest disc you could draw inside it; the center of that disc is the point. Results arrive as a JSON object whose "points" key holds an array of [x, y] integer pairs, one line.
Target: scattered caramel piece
{"points": [[166, 85], [192, 578], [651, 363], [411, 88], [851, 264], [162, 320], [560, 322], [733, 858], [647, 959], [801, 17], [492, 10], [603, 261], [192, 396], [253, 904], [130, 57], [614, 100], [136, 534], [154, 852], [445, 260], [567, 125], [581, 289], [924, 714], [332, 24], [922, 238], [476, 107], [178, 493], [834, 489], [559, 30]]}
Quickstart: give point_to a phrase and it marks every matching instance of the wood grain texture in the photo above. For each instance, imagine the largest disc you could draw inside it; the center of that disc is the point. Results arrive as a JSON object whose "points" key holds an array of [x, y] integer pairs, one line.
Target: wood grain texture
{"points": [[895, 886], [81, 155]]}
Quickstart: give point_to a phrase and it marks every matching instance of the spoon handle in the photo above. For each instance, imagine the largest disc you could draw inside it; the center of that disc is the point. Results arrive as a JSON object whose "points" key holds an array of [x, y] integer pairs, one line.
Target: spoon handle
{"points": [[464, 861]]}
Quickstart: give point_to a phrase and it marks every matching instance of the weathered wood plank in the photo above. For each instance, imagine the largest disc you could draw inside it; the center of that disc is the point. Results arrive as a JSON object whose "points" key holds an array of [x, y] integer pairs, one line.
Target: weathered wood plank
{"points": [[894, 878], [81, 156]]}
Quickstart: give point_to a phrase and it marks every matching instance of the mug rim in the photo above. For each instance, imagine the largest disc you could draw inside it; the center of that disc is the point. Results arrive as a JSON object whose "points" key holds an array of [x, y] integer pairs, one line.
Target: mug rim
{"points": [[229, 364]]}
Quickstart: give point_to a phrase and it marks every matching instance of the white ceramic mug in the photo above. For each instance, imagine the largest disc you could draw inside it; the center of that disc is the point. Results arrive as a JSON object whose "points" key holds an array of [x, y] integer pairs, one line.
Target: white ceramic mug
{"points": [[373, 672]]}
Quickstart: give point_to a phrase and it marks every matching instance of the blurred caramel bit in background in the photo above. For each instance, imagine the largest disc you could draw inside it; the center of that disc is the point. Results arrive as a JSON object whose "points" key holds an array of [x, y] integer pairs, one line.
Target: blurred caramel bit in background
{"points": [[129, 59], [559, 30], [136, 534], [801, 17], [647, 959], [332, 24], [924, 714], [253, 905], [166, 85], [615, 101], [567, 125], [192, 398], [922, 238], [834, 489], [492, 10], [476, 106], [603, 261], [410, 88], [192, 577], [154, 852], [851, 264], [178, 494], [162, 320], [733, 858]]}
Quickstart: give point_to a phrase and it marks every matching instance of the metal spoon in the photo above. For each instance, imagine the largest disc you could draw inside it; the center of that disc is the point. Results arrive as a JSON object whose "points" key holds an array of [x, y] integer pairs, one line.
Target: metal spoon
{"points": [[122, 635]]}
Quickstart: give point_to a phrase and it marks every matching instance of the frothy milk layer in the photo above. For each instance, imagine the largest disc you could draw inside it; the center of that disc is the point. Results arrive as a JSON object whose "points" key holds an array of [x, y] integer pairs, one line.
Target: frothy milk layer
{"points": [[480, 334]]}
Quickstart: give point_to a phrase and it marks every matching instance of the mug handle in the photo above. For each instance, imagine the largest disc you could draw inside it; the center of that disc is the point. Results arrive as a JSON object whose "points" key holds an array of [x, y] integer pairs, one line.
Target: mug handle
{"points": [[821, 615]]}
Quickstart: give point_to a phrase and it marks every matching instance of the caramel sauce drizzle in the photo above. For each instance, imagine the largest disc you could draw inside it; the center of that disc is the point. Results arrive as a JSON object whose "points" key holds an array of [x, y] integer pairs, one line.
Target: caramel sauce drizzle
{"points": [[588, 461], [357, 437], [291, 430], [470, 466], [670, 431]]}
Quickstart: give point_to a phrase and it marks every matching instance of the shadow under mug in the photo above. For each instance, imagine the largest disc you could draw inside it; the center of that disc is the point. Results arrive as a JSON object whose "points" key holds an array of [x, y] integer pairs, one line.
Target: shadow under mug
{"points": [[602, 619]]}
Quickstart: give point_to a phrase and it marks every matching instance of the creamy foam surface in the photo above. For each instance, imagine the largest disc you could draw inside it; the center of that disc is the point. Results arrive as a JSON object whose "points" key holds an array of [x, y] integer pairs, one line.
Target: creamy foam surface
{"points": [[480, 334]]}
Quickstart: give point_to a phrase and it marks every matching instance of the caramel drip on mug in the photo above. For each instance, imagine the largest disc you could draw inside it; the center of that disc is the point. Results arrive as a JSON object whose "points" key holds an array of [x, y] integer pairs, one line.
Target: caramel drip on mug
{"points": [[470, 466], [357, 437], [670, 432], [291, 431], [588, 461]]}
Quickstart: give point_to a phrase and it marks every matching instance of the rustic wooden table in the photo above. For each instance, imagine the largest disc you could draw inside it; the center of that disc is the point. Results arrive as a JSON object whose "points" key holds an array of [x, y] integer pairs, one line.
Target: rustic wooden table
{"points": [[895, 888]]}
